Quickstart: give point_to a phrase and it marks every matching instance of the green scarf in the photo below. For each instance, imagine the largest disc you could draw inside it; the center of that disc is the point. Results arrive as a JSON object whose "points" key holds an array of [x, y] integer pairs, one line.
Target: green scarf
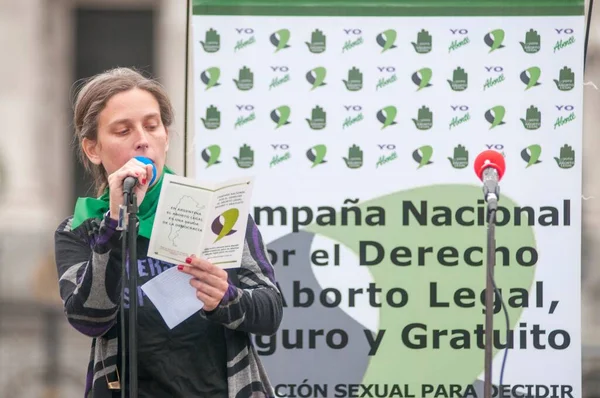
{"points": [[86, 207]]}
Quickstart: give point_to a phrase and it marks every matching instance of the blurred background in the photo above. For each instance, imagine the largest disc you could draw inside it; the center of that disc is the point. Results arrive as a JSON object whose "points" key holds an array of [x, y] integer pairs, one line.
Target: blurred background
{"points": [[47, 46]]}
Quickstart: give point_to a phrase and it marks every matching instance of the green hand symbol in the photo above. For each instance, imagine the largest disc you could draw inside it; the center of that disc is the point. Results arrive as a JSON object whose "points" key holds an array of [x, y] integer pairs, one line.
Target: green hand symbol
{"points": [[355, 157], [355, 80], [319, 119], [246, 74], [212, 36], [533, 118], [460, 80], [567, 157], [318, 42], [423, 44], [213, 118], [423, 37], [566, 74], [246, 152], [461, 157], [246, 79], [212, 41], [212, 112], [355, 74], [566, 79], [459, 74], [318, 114], [424, 119], [246, 158], [532, 37], [532, 42], [424, 113]]}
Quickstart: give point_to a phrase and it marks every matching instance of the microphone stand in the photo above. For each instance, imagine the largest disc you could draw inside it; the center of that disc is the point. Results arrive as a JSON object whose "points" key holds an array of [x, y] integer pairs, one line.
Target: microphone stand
{"points": [[130, 203], [491, 194]]}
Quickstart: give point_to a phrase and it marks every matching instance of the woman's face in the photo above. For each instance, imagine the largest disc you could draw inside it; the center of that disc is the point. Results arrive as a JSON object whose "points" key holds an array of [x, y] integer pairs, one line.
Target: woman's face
{"points": [[129, 125]]}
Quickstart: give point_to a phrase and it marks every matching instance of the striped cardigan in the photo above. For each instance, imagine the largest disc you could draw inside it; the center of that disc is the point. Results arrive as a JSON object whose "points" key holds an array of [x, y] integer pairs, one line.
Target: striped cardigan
{"points": [[88, 259]]}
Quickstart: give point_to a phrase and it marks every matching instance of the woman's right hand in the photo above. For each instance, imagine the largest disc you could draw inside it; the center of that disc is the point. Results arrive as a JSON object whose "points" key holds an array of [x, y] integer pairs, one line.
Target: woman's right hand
{"points": [[133, 168]]}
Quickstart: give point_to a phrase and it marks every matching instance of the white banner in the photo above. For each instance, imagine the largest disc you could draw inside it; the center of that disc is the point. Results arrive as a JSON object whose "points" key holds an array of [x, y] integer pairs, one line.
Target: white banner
{"points": [[361, 132]]}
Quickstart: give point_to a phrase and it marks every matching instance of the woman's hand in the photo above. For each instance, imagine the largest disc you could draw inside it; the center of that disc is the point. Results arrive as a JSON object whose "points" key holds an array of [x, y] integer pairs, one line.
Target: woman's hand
{"points": [[209, 281], [133, 168]]}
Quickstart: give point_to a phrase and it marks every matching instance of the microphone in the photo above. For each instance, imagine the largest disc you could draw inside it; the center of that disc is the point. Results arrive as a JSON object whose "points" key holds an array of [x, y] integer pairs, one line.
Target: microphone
{"points": [[131, 182], [489, 167]]}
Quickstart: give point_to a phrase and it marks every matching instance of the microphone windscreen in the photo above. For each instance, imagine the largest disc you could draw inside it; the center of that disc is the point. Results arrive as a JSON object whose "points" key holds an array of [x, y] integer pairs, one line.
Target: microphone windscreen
{"points": [[489, 158], [145, 160]]}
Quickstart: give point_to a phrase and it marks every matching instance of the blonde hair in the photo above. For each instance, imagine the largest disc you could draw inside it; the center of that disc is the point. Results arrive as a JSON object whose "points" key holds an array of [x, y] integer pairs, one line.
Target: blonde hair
{"points": [[91, 100]]}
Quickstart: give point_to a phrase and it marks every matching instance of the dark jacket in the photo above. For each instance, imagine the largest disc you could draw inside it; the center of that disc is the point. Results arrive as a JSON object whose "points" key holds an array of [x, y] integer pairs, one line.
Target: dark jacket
{"points": [[88, 259]]}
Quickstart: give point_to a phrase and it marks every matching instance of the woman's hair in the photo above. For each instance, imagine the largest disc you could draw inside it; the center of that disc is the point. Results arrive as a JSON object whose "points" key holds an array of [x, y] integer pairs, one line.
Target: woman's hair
{"points": [[91, 100]]}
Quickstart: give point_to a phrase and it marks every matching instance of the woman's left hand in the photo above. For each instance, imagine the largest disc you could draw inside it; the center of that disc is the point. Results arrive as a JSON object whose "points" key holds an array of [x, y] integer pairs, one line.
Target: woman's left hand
{"points": [[209, 281]]}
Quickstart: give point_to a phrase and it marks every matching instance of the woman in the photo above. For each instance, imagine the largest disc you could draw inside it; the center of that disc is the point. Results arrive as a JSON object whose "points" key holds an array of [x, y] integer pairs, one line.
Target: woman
{"points": [[120, 115]]}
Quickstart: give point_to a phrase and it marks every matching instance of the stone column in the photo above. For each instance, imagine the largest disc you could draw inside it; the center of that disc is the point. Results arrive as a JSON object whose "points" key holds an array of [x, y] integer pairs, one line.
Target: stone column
{"points": [[34, 143], [171, 67]]}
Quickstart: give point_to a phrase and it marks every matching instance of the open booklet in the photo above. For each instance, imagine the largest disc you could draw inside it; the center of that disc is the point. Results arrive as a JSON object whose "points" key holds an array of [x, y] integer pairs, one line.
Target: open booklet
{"points": [[192, 217], [207, 219]]}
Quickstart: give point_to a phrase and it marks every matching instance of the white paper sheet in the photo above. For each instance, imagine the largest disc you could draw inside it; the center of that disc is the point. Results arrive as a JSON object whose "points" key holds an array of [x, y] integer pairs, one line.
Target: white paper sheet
{"points": [[173, 296]]}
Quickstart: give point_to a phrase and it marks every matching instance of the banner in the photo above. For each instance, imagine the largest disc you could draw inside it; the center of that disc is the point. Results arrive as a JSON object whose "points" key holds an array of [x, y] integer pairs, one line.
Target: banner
{"points": [[361, 123]]}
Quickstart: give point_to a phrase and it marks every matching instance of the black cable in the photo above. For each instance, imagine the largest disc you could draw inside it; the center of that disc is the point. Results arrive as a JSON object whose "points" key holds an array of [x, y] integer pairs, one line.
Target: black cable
{"points": [[493, 220], [507, 331], [185, 101], [587, 33]]}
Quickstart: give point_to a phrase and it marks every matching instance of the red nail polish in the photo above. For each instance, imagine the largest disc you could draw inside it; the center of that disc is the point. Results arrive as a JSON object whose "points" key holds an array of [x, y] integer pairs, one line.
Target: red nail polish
{"points": [[188, 260], [144, 181], [180, 267]]}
